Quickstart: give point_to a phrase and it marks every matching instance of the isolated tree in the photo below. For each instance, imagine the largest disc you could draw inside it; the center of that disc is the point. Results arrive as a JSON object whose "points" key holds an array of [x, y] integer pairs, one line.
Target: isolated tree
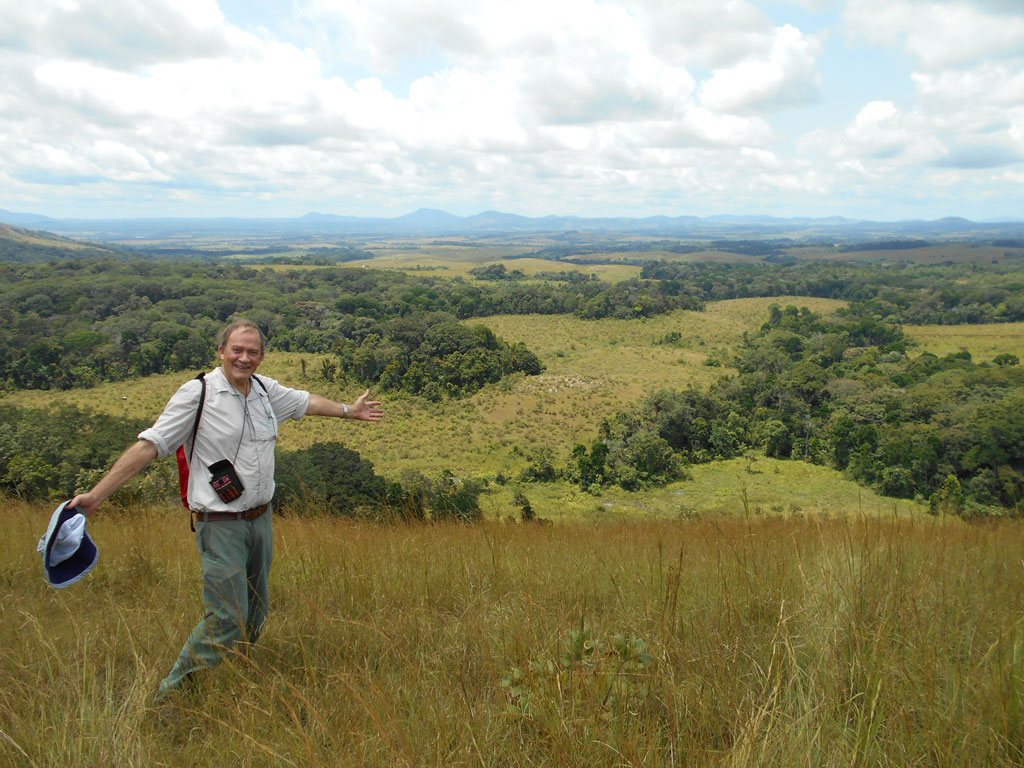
{"points": [[949, 499]]}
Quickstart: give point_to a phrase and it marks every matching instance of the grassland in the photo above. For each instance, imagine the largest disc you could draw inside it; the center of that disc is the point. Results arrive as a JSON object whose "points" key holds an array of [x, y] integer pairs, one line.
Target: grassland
{"points": [[760, 613], [983, 341], [594, 368], [28, 237], [751, 486], [839, 640], [453, 261]]}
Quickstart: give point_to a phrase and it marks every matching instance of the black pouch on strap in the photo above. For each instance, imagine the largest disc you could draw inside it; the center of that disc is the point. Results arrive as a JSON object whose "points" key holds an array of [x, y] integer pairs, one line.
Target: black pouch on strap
{"points": [[225, 480]]}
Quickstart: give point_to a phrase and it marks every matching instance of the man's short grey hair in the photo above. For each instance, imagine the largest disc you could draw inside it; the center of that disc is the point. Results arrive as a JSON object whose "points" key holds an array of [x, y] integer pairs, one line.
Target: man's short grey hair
{"points": [[234, 325]]}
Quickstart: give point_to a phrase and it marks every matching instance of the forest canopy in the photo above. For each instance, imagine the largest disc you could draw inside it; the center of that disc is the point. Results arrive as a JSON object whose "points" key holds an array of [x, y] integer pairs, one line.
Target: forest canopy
{"points": [[78, 322]]}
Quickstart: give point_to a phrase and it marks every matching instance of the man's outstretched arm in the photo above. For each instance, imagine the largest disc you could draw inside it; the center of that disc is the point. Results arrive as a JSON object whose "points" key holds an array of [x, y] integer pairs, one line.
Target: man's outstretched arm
{"points": [[362, 409], [131, 462]]}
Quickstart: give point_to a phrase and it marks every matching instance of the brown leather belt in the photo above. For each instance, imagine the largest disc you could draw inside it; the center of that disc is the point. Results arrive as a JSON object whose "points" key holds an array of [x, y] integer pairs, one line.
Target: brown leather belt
{"points": [[245, 514]]}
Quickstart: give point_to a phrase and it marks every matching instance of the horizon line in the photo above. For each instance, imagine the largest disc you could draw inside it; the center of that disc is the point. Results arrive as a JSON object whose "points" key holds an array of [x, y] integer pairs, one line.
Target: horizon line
{"points": [[491, 211]]}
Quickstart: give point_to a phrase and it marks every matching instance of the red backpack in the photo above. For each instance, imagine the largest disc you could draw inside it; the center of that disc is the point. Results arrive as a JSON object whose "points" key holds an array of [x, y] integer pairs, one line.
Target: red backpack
{"points": [[183, 463]]}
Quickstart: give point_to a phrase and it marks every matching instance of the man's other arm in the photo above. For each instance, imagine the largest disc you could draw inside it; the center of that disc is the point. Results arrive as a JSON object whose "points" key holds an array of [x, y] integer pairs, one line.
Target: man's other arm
{"points": [[131, 462]]}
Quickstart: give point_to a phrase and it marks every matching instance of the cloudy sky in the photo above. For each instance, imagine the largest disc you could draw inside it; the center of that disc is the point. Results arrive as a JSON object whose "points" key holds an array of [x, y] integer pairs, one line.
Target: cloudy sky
{"points": [[882, 109]]}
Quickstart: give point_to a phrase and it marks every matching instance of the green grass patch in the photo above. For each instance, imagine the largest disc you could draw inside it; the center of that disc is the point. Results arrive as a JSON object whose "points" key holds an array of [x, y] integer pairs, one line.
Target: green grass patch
{"points": [[750, 486], [984, 342], [453, 261]]}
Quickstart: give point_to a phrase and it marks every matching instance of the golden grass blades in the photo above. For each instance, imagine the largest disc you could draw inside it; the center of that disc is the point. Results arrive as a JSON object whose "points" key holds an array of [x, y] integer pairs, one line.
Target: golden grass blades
{"points": [[836, 638]]}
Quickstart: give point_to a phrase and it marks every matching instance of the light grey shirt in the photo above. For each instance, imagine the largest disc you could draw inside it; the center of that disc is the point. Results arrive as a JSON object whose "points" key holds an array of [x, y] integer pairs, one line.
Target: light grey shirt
{"points": [[239, 429]]}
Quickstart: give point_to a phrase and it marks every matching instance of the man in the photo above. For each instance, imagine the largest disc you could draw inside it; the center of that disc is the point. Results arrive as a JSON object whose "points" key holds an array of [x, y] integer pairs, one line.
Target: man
{"points": [[233, 531]]}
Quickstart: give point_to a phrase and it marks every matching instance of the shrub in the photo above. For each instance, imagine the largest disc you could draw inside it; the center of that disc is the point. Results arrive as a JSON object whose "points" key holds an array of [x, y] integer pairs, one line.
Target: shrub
{"points": [[336, 476], [43, 452], [446, 498]]}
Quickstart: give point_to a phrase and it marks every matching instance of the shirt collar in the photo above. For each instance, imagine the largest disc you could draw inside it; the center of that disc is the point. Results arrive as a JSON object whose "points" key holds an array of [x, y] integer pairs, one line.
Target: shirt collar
{"points": [[219, 382]]}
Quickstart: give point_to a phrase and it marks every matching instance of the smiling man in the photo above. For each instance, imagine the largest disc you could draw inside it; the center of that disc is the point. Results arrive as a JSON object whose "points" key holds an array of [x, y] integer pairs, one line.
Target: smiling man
{"points": [[231, 484]]}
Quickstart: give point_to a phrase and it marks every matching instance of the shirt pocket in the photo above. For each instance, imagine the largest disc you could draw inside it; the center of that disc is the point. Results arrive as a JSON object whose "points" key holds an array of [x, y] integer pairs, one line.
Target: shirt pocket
{"points": [[264, 423]]}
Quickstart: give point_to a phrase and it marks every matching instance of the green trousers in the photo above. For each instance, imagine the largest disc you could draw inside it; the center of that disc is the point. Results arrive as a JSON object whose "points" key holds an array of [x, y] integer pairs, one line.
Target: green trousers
{"points": [[236, 557]]}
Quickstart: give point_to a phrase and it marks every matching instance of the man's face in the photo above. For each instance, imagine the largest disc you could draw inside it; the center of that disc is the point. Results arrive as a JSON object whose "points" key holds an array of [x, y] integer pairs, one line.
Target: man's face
{"points": [[241, 355]]}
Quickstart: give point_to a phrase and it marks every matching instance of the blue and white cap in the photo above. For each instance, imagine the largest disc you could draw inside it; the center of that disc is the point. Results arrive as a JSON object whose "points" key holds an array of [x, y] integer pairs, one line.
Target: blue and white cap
{"points": [[69, 553]]}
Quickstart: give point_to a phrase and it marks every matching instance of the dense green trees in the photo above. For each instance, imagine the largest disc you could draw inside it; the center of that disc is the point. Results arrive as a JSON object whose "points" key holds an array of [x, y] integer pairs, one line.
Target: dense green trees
{"points": [[428, 354], [840, 392], [947, 294], [501, 272], [73, 323], [44, 453], [78, 321], [328, 477], [331, 477], [629, 451]]}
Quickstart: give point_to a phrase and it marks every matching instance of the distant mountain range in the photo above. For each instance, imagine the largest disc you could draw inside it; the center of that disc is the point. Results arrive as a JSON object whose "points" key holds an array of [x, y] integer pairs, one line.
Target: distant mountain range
{"points": [[432, 222]]}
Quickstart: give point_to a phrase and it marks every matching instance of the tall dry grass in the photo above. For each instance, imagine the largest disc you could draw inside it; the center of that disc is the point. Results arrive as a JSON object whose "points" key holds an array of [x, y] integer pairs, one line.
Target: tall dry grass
{"points": [[828, 641]]}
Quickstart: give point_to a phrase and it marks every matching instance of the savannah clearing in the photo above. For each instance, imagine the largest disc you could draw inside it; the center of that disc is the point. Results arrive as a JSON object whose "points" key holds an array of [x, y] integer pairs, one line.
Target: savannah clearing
{"points": [[593, 369]]}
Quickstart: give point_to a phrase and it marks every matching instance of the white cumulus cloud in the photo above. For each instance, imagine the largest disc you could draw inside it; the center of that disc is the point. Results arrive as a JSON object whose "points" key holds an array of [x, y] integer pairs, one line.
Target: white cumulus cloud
{"points": [[600, 105], [880, 138], [939, 33], [786, 74]]}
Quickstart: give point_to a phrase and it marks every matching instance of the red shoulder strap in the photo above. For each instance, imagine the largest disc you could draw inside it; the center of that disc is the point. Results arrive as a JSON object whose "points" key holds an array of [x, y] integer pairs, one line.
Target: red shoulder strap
{"points": [[183, 460], [183, 475]]}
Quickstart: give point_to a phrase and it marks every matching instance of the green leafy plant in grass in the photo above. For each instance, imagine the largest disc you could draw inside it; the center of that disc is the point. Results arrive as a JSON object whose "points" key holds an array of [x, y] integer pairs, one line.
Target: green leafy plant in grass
{"points": [[580, 647], [520, 696], [540, 467], [526, 512], [612, 673]]}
